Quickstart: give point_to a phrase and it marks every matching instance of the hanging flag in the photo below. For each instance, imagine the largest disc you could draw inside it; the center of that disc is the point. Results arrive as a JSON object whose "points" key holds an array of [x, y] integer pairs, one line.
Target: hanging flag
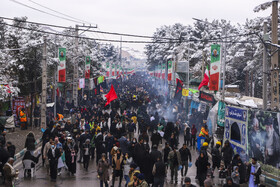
{"points": [[91, 84], [100, 79], [163, 72], [169, 70], [87, 68], [113, 69], [111, 95], [179, 87], [118, 70], [193, 90], [205, 80], [215, 67], [107, 69], [185, 92], [62, 65], [82, 83]]}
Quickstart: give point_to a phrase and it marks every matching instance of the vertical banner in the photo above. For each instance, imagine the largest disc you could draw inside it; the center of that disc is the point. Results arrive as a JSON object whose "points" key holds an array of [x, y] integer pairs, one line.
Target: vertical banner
{"points": [[236, 123], [118, 70], [215, 67], [159, 71], [87, 68], [62, 65], [107, 69], [163, 72], [82, 83], [113, 69], [91, 84], [169, 70]]}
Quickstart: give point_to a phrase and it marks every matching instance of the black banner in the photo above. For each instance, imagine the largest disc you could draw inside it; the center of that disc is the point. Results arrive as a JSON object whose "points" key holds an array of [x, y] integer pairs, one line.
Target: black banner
{"points": [[207, 97]]}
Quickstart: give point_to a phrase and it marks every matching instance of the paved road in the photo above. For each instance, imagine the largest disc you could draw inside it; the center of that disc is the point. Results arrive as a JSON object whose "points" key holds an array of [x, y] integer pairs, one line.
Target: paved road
{"points": [[83, 178]]}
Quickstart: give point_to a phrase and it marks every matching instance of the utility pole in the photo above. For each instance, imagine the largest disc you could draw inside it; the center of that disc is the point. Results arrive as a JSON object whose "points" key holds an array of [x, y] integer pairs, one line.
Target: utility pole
{"points": [[203, 65], [224, 63], [55, 88], [76, 72], [274, 58], [44, 85], [264, 67]]}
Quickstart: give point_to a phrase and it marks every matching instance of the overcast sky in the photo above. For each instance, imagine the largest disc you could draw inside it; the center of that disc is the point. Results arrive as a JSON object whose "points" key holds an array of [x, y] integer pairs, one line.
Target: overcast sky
{"points": [[135, 16]]}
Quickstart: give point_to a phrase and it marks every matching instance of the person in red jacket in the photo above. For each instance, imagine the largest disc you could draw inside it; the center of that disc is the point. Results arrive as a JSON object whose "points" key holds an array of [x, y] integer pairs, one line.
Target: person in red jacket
{"points": [[193, 135]]}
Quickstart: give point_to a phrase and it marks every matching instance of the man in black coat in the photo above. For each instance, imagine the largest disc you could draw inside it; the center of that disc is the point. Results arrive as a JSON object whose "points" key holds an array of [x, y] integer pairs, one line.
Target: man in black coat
{"points": [[53, 156], [185, 157], [216, 156], [155, 138], [227, 153]]}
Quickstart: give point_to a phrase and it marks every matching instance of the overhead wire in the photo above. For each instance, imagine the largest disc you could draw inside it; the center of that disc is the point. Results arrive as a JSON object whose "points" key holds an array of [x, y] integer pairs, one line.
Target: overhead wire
{"points": [[59, 12], [42, 11], [124, 41]]}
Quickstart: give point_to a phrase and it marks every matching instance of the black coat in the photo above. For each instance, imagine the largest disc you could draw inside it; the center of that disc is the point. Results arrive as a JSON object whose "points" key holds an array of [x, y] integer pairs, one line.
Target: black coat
{"points": [[227, 153], [30, 143]]}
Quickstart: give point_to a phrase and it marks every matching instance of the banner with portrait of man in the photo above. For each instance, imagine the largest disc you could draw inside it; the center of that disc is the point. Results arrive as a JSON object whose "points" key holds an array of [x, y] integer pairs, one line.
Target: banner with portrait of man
{"points": [[263, 136]]}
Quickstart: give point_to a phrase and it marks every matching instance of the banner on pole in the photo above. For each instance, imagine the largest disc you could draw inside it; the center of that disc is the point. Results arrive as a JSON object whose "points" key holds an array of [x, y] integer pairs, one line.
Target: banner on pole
{"points": [[215, 67], [82, 83], [113, 69], [107, 69], [163, 72], [169, 70], [62, 65], [87, 68]]}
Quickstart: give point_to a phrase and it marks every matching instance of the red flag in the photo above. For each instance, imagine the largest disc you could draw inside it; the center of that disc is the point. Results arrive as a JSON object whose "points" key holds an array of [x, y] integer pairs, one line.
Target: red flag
{"points": [[111, 95]]}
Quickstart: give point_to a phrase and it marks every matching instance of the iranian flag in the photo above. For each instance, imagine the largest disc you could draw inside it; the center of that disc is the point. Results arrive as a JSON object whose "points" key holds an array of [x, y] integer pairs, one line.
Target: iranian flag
{"points": [[113, 69], [163, 72], [215, 66], [62, 65], [107, 69], [205, 80], [159, 71], [130, 71], [169, 71], [118, 70], [87, 68]]}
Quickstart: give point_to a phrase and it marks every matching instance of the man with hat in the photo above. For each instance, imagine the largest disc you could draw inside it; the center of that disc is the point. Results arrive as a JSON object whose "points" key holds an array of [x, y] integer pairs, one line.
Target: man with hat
{"points": [[188, 182], [174, 159], [216, 156]]}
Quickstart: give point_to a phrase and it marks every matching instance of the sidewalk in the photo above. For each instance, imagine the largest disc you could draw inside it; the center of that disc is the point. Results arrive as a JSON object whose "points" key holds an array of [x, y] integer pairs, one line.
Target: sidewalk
{"points": [[18, 137]]}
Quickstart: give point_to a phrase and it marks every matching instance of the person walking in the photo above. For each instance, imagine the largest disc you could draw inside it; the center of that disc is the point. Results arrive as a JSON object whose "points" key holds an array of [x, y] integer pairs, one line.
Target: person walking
{"points": [[201, 164], [23, 119], [159, 172], [253, 173], [53, 156], [193, 136], [227, 154], [127, 162], [117, 165], [86, 154], [185, 157], [216, 156], [9, 173], [174, 158], [103, 170]]}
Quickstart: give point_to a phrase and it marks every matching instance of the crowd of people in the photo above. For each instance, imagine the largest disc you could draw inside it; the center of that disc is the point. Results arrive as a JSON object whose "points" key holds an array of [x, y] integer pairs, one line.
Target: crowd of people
{"points": [[137, 140]]}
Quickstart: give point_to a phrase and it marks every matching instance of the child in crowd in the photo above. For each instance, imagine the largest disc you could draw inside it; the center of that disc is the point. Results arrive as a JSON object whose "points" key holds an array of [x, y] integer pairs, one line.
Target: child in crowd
{"points": [[235, 175], [222, 174]]}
